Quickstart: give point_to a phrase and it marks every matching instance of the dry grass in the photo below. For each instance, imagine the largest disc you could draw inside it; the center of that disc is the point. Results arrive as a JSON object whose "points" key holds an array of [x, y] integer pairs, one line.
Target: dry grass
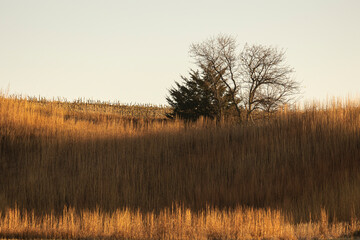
{"points": [[175, 223], [296, 163]]}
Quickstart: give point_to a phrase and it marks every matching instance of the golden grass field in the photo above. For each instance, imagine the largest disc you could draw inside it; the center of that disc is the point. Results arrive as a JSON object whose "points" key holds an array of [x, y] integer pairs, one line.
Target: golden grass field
{"points": [[174, 223], [78, 170]]}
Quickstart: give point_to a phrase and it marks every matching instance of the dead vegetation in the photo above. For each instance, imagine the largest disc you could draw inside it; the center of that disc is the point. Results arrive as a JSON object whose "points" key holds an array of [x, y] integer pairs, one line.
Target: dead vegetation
{"points": [[302, 164]]}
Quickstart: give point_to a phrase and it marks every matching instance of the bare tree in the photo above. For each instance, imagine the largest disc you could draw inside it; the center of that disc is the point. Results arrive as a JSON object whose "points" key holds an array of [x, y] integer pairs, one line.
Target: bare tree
{"points": [[219, 55], [257, 78], [268, 80]]}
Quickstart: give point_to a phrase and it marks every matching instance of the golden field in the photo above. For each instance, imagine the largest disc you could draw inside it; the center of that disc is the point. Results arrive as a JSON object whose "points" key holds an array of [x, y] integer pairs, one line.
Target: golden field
{"points": [[91, 170], [174, 223]]}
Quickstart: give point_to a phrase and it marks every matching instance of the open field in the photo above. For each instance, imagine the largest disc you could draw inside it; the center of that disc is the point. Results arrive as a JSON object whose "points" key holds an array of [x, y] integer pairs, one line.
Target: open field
{"points": [[296, 174]]}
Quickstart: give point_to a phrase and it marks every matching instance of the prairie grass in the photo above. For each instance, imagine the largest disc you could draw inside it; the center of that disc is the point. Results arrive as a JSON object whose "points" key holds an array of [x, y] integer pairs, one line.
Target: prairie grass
{"points": [[174, 223], [297, 163]]}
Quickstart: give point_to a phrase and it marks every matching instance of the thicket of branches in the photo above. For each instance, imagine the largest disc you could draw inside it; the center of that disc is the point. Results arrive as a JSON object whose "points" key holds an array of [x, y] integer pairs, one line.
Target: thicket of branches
{"points": [[231, 83]]}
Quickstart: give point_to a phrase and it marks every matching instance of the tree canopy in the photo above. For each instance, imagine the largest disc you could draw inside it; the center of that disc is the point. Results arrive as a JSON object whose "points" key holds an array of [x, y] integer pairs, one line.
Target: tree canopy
{"points": [[202, 94], [230, 83]]}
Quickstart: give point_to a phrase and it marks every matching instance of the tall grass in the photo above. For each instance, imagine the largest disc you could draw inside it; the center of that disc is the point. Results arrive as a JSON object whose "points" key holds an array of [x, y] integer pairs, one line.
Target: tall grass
{"points": [[299, 161], [175, 223]]}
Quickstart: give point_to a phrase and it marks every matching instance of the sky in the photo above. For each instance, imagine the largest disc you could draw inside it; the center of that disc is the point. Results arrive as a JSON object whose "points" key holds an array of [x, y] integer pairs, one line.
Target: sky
{"points": [[133, 51]]}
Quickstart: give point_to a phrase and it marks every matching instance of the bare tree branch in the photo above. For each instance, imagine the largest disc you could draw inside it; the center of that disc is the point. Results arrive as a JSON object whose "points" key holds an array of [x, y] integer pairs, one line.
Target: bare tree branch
{"points": [[257, 79], [268, 80], [220, 54]]}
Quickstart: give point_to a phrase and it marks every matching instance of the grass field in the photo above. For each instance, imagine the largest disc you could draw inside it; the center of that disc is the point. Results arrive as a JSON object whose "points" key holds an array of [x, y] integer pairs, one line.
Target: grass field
{"points": [[97, 170], [173, 223]]}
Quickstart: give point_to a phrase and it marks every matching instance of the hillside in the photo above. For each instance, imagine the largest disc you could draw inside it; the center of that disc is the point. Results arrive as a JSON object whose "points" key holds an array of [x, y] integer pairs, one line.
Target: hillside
{"points": [[88, 157]]}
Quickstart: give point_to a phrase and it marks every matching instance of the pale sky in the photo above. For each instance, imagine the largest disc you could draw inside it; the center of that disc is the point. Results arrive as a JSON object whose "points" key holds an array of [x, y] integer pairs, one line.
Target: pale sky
{"points": [[134, 51]]}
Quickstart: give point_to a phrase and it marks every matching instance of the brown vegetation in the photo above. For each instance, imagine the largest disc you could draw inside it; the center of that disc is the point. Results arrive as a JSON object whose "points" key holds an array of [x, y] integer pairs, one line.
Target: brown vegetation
{"points": [[296, 163], [175, 223]]}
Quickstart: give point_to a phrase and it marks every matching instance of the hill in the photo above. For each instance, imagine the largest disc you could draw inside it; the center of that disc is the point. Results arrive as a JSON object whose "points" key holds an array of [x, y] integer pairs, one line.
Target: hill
{"points": [[303, 163]]}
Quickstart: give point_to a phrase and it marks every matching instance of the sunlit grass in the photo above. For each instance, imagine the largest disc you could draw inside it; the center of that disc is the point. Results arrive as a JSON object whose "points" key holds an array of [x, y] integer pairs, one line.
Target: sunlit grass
{"points": [[302, 164], [174, 223]]}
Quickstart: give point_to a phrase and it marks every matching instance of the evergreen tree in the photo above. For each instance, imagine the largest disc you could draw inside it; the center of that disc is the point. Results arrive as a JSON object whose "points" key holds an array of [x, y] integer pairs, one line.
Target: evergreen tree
{"points": [[190, 99], [200, 95]]}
